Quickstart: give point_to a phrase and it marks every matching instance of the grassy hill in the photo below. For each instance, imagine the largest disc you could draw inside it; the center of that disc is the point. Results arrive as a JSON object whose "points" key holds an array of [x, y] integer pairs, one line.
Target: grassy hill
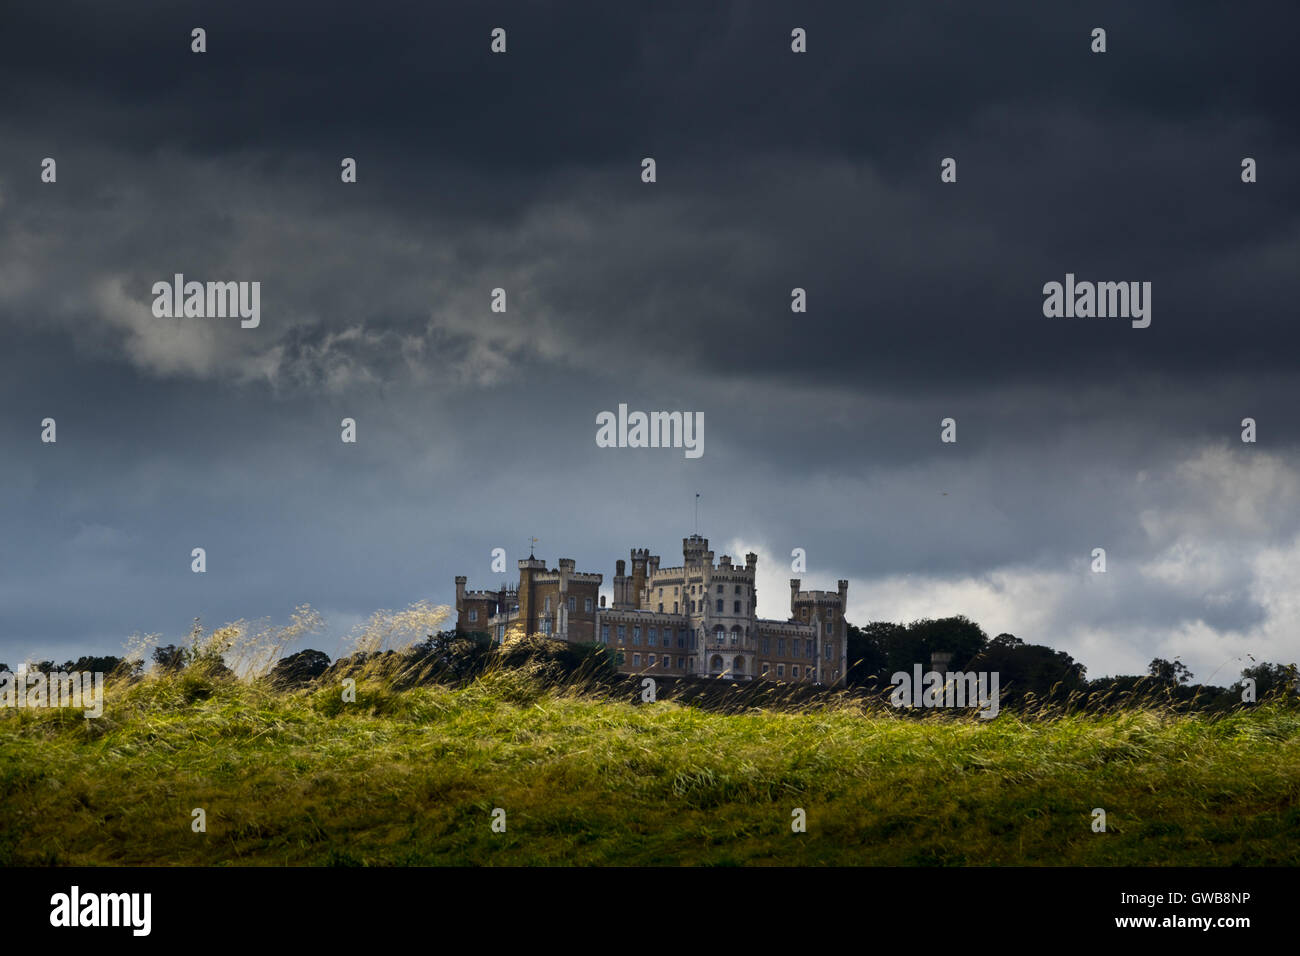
{"points": [[412, 777]]}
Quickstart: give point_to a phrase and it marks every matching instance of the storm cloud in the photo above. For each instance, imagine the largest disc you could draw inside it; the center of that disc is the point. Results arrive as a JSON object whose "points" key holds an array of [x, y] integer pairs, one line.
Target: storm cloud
{"points": [[774, 171]]}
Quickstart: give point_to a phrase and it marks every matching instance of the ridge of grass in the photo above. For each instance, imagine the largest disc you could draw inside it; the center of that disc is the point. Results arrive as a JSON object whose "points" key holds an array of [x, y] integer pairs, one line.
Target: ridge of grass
{"points": [[412, 775]]}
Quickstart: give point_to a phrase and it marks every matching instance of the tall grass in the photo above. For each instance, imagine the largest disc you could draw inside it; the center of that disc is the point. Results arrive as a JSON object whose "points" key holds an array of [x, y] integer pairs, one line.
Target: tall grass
{"points": [[410, 772]]}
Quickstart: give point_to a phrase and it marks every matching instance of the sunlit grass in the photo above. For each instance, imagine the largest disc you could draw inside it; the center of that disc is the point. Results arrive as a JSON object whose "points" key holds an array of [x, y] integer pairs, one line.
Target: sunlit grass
{"points": [[410, 775]]}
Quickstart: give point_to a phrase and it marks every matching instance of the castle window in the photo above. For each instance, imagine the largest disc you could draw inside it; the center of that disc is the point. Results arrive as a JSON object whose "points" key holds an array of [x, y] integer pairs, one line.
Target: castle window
{"points": [[636, 660], [828, 651], [719, 605], [604, 634], [622, 633], [473, 614], [636, 633], [573, 604], [674, 607], [587, 605], [719, 588], [737, 588], [661, 607], [766, 667], [737, 604], [794, 671], [681, 639], [546, 626], [654, 637], [650, 661], [830, 628], [661, 592], [780, 646], [668, 637], [767, 645], [780, 670]]}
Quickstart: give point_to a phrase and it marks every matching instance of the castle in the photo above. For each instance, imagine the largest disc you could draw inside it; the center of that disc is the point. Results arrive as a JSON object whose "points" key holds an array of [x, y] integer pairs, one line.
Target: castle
{"points": [[698, 618]]}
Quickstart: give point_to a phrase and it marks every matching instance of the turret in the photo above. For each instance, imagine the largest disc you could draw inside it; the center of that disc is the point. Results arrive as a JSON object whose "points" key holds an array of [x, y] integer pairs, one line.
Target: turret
{"points": [[622, 586], [640, 557], [693, 549], [528, 568]]}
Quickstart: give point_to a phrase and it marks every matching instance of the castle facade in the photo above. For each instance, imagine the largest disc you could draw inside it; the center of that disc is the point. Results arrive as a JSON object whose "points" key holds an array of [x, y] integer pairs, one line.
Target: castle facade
{"points": [[696, 618]]}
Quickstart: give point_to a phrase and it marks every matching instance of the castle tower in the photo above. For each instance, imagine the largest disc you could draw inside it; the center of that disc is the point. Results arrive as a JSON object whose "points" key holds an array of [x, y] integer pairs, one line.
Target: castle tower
{"points": [[622, 586], [528, 569], [567, 568], [794, 596], [693, 549], [640, 557]]}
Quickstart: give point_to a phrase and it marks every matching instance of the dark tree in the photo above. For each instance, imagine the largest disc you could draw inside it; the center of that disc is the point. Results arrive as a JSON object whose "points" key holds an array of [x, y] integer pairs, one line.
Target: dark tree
{"points": [[1173, 673], [1270, 679], [169, 659], [1031, 669], [299, 669], [107, 664], [866, 647]]}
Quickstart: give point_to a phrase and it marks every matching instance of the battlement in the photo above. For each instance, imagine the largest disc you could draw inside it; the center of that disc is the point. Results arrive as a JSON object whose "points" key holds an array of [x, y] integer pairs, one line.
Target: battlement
{"points": [[554, 576], [817, 597], [776, 628], [626, 613]]}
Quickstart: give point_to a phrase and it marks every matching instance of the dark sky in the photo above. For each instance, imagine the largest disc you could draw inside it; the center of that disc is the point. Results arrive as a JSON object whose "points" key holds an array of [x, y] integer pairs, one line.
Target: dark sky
{"points": [[775, 170]]}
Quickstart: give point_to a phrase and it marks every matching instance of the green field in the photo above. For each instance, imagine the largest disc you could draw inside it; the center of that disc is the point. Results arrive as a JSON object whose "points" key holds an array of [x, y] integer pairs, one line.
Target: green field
{"points": [[413, 776]]}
